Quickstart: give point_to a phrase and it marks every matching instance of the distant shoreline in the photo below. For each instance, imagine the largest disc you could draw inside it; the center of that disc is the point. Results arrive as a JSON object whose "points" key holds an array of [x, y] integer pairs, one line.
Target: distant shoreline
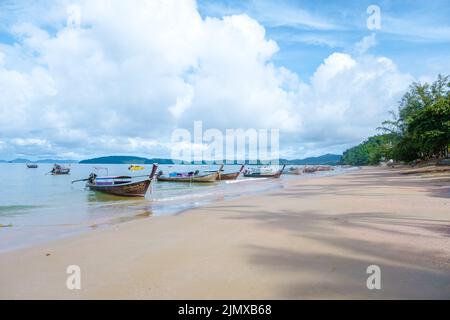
{"points": [[327, 159]]}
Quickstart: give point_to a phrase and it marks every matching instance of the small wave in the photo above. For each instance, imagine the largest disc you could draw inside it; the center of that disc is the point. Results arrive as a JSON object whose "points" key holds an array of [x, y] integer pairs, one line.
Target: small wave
{"points": [[245, 180], [185, 197], [12, 209]]}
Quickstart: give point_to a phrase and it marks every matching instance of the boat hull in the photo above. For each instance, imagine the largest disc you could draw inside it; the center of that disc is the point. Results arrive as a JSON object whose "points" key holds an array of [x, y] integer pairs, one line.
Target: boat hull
{"points": [[130, 189], [296, 171], [325, 168], [201, 179], [257, 175], [228, 176], [60, 172], [264, 175], [309, 169]]}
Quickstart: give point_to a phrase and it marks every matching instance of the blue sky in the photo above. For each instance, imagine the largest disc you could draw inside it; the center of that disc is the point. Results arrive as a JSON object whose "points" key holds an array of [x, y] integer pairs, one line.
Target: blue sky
{"points": [[134, 71], [411, 30]]}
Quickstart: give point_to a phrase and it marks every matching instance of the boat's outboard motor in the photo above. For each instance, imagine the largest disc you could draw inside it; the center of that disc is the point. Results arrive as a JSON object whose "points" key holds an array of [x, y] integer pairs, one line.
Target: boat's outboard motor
{"points": [[91, 178]]}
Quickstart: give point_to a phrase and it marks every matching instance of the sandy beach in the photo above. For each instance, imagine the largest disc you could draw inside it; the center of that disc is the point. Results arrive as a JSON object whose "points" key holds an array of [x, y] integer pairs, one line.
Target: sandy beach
{"points": [[313, 239]]}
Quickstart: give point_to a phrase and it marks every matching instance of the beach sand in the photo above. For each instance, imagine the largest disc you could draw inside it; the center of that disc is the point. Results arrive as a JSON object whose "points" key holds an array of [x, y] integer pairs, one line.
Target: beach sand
{"points": [[313, 239]]}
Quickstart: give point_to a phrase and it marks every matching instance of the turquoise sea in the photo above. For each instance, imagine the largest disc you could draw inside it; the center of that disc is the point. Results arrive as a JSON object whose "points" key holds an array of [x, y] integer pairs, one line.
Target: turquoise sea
{"points": [[36, 207]]}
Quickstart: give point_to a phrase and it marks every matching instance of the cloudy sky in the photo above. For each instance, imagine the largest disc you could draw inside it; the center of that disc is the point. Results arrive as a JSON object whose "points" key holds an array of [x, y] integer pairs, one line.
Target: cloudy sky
{"points": [[133, 71]]}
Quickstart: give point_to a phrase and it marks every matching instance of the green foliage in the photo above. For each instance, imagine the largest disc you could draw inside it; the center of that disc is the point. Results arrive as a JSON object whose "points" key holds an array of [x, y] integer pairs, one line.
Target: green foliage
{"points": [[430, 128], [126, 160], [419, 130], [369, 152]]}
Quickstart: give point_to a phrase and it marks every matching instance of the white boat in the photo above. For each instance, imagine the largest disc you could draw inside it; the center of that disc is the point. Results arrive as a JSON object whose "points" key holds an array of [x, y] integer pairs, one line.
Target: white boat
{"points": [[58, 170]]}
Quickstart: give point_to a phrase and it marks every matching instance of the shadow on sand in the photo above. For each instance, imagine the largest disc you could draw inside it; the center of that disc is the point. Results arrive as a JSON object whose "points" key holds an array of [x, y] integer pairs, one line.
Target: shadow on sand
{"points": [[349, 243]]}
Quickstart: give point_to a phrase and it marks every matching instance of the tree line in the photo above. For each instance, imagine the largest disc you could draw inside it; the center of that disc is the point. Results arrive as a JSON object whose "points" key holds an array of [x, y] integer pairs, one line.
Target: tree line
{"points": [[419, 129]]}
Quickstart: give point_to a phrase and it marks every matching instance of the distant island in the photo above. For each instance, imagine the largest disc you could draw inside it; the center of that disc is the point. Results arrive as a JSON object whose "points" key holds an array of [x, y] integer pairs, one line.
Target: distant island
{"points": [[39, 161], [126, 160], [327, 159]]}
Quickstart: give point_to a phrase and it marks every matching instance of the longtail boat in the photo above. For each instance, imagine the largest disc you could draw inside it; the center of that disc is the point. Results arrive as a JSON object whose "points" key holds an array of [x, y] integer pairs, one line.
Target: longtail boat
{"points": [[229, 175], [295, 170], [261, 173], [58, 170], [119, 185], [134, 167], [310, 169], [325, 168], [190, 177], [32, 165]]}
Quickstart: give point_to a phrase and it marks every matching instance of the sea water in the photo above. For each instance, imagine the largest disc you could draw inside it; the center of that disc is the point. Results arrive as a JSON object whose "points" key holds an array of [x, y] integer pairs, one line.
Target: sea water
{"points": [[36, 206]]}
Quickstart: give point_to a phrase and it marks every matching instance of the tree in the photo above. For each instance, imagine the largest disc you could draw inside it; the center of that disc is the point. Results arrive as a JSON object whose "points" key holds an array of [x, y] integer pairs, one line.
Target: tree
{"points": [[370, 152], [419, 130], [430, 129]]}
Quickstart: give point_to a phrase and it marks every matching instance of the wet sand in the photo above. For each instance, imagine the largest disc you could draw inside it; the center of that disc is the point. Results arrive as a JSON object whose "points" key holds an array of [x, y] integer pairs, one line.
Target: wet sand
{"points": [[313, 239]]}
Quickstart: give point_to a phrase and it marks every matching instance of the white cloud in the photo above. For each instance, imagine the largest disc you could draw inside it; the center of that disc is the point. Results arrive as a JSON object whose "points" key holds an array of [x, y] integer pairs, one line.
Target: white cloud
{"points": [[349, 97], [136, 70], [30, 142], [272, 14], [365, 44], [310, 39], [282, 15], [183, 103]]}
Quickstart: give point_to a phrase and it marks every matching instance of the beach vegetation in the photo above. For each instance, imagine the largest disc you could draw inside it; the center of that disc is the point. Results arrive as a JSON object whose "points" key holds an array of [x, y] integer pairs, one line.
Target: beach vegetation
{"points": [[419, 130]]}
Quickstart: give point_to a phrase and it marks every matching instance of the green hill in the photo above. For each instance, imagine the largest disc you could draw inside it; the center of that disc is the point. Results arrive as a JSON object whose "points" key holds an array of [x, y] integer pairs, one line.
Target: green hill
{"points": [[327, 159], [126, 160]]}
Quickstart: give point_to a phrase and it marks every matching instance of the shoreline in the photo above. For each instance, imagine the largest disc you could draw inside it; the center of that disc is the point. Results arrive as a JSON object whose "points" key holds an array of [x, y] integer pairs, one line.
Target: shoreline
{"points": [[312, 239], [137, 210]]}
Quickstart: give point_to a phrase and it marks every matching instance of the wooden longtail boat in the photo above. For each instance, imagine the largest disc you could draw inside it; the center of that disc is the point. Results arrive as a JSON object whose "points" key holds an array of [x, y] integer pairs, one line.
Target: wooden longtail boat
{"points": [[295, 170], [58, 169], [261, 174], [119, 185], [231, 175], [188, 177], [325, 168], [227, 176], [32, 165], [122, 188], [310, 169]]}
